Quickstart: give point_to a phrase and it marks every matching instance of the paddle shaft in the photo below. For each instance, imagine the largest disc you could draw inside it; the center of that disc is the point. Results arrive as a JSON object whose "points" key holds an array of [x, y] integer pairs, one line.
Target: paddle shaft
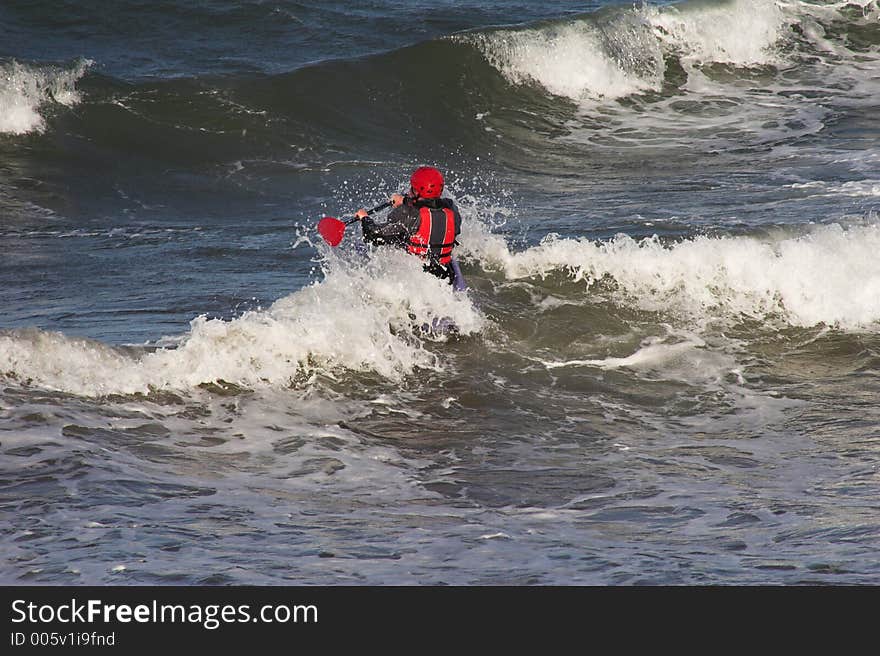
{"points": [[375, 209], [332, 229]]}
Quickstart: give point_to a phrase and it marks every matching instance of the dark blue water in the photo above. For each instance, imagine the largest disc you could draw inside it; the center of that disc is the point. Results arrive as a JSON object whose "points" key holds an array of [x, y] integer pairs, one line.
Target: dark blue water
{"points": [[668, 358]]}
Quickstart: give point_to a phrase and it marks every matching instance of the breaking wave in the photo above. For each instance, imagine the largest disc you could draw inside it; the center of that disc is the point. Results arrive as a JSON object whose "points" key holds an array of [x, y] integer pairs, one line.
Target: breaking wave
{"points": [[828, 275], [26, 89], [364, 316]]}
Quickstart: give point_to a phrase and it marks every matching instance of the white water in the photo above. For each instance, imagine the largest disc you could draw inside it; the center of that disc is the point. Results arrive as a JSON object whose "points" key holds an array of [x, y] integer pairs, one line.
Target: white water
{"points": [[360, 318], [26, 89], [590, 60], [653, 353], [739, 32], [736, 55], [829, 275], [569, 60]]}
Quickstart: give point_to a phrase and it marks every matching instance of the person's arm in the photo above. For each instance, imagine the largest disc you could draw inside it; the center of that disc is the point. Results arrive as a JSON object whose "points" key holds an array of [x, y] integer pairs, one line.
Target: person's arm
{"points": [[396, 201], [396, 228]]}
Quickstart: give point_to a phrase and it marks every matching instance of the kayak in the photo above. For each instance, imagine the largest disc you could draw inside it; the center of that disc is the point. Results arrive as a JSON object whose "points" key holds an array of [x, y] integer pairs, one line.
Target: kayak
{"points": [[458, 282]]}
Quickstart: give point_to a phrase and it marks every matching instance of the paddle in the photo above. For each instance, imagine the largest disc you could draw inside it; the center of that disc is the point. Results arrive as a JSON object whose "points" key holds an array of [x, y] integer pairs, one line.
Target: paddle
{"points": [[332, 229]]}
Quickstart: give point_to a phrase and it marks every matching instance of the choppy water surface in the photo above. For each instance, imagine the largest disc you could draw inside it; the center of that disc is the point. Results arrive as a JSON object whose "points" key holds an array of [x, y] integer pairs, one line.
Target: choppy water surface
{"points": [[669, 356]]}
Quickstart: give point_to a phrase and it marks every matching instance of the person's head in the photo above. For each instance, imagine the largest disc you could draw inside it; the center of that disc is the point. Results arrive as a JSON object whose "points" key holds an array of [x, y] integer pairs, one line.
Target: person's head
{"points": [[426, 182]]}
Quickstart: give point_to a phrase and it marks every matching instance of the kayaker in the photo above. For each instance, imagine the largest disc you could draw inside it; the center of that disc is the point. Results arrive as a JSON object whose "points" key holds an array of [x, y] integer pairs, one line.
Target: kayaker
{"points": [[422, 222]]}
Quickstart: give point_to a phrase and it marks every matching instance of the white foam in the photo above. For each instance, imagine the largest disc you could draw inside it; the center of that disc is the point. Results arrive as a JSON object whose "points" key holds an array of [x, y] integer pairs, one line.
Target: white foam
{"points": [[676, 355], [855, 188], [739, 32], [569, 60], [25, 89], [806, 69], [585, 59], [360, 318], [651, 353], [829, 275]]}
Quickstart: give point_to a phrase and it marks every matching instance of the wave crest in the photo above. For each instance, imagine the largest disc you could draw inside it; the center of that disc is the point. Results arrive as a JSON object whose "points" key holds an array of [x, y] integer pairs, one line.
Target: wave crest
{"points": [[359, 318], [621, 52], [25, 89], [830, 275]]}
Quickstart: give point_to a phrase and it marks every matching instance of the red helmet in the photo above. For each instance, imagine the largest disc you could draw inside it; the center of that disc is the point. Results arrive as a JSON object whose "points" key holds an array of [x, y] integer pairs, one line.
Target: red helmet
{"points": [[426, 182]]}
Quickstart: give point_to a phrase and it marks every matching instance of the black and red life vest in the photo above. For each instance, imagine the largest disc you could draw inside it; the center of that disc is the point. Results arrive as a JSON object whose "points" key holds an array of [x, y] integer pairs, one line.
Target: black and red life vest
{"points": [[436, 235]]}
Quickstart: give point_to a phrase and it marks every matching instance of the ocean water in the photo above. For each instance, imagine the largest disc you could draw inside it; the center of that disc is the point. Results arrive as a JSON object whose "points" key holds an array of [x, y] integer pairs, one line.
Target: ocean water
{"points": [[668, 364]]}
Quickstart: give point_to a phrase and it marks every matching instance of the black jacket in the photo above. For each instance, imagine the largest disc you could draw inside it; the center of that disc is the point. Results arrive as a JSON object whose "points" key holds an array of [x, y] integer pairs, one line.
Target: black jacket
{"points": [[404, 221]]}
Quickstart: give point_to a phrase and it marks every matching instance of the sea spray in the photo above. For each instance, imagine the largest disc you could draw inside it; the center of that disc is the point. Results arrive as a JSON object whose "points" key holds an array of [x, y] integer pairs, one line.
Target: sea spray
{"points": [[26, 88], [363, 316], [578, 59], [738, 32], [828, 275], [595, 58]]}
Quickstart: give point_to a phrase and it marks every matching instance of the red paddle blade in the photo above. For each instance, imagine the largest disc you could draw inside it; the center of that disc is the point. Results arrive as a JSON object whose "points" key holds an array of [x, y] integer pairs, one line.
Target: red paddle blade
{"points": [[332, 230]]}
